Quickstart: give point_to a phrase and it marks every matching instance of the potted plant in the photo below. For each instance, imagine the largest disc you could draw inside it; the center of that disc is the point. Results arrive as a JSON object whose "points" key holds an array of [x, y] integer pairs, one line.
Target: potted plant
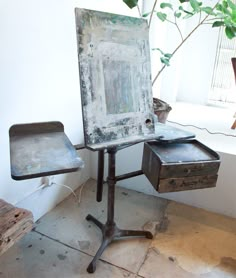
{"points": [[221, 14]]}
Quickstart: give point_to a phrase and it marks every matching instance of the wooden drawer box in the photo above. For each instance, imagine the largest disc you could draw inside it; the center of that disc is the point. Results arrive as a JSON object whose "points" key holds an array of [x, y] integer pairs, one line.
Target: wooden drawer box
{"points": [[180, 166]]}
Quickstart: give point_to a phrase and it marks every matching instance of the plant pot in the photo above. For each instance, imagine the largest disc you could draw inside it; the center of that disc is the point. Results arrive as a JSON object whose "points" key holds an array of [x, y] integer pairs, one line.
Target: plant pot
{"points": [[161, 109]]}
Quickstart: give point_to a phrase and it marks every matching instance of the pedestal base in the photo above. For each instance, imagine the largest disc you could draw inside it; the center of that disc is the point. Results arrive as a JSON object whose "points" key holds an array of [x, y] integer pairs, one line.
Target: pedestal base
{"points": [[110, 232]]}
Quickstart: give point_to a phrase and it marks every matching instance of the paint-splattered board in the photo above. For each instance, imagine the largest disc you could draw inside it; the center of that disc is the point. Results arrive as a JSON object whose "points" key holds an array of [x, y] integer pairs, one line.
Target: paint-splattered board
{"points": [[41, 149], [163, 134], [115, 78]]}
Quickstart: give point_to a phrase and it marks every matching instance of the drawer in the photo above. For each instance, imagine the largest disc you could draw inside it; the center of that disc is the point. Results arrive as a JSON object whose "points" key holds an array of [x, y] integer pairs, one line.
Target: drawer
{"points": [[180, 166]]}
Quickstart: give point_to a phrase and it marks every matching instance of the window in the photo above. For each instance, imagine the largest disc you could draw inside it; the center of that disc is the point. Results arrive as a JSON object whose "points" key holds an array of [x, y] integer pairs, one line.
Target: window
{"points": [[223, 88]]}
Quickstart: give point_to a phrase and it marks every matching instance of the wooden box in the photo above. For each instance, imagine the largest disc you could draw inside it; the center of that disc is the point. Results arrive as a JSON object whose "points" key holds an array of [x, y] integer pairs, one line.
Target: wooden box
{"points": [[180, 166]]}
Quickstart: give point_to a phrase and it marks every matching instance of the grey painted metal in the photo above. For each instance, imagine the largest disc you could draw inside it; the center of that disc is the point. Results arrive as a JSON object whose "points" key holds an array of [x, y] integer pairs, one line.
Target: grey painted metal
{"points": [[41, 149], [163, 133], [115, 77]]}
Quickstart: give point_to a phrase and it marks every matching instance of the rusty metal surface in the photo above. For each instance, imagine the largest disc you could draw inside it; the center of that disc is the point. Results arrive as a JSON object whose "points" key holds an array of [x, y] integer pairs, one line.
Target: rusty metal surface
{"points": [[109, 230], [186, 183], [41, 149], [180, 166]]}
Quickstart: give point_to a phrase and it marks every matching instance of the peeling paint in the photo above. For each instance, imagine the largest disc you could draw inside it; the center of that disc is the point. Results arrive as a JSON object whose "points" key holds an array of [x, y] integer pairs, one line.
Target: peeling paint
{"points": [[115, 76]]}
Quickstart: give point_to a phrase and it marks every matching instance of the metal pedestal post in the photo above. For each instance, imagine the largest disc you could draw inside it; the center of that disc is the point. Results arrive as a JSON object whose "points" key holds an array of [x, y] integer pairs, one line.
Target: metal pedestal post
{"points": [[109, 230]]}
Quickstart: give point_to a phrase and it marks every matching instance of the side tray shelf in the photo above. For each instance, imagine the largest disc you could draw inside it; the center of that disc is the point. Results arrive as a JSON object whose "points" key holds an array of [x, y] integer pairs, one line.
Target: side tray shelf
{"points": [[41, 149]]}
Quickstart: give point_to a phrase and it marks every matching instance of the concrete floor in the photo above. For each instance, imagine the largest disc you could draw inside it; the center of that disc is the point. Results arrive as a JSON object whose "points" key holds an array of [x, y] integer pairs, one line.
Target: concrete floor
{"points": [[188, 242]]}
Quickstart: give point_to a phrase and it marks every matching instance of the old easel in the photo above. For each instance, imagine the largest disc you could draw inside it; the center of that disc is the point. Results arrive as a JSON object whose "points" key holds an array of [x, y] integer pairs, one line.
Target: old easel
{"points": [[117, 108]]}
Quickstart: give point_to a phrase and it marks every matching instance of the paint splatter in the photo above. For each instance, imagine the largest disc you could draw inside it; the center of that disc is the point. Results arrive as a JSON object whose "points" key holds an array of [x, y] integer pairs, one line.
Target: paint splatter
{"points": [[61, 257]]}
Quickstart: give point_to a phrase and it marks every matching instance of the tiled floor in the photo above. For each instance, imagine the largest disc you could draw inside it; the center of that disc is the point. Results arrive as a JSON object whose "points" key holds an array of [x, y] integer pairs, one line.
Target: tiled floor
{"points": [[188, 242]]}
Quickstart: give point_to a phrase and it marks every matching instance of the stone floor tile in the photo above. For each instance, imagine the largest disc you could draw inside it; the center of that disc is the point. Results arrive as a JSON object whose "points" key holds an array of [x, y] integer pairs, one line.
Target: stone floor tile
{"points": [[133, 210], [157, 265], [202, 216], [197, 246], [39, 257]]}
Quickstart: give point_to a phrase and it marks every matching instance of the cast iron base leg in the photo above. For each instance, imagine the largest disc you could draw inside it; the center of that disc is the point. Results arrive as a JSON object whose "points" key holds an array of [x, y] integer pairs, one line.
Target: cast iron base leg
{"points": [[128, 233], [92, 266], [110, 233], [89, 217]]}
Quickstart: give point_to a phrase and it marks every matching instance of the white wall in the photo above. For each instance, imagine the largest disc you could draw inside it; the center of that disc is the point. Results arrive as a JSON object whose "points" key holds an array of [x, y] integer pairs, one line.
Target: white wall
{"points": [[40, 82], [197, 64], [188, 78]]}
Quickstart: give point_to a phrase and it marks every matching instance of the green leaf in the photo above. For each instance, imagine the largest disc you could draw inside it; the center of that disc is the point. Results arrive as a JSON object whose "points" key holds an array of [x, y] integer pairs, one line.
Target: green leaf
{"points": [[195, 5], [166, 5], [218, 24], [223, 9], [231, 4], [131, 3], [225, 4], [178, 15], [187, 12], [161, 16], [168, 55], [159, 50], [146, 14], [208, 10], [230, 32], [187, 16], [233, 15], [183, 1], [165, 61]]}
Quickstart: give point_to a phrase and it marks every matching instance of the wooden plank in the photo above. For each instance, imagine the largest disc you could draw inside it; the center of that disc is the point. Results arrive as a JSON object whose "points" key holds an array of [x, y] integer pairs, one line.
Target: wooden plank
{"points": [[14, 224]]}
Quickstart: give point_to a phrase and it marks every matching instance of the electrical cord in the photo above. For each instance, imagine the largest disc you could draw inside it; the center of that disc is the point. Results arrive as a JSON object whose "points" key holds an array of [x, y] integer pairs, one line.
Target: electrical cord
{"points": [[203, 128]]}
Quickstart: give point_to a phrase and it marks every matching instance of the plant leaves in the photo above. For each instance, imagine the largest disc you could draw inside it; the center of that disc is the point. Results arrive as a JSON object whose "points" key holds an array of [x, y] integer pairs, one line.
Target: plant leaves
{"points": [[131, 3], [182, 9], [168, 55], [218, 24], [233, 16], [188, 16], [158, 50], [231, 4], [165, 61], [146, 14], [178, 15], [161, 16], [230, 32], [223, 9], [195, 5], [208, 10], [225, 4], [166, 5]]}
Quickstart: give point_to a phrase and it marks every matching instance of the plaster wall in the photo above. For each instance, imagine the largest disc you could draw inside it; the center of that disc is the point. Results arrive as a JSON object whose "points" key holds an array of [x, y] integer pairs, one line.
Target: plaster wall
{"points": [[40, 82]]}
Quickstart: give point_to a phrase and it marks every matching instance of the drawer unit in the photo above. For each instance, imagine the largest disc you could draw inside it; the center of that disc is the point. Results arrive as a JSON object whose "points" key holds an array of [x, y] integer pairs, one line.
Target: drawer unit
{"points": [[180, 166]]}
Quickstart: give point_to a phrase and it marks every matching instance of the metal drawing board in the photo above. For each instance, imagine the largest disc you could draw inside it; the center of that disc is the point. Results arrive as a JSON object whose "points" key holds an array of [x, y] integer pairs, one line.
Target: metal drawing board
{"points": [[115, 78]]}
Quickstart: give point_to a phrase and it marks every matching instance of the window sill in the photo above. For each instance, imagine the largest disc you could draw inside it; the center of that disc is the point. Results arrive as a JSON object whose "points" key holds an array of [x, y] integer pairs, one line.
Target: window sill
{"points": [[214, 119]]}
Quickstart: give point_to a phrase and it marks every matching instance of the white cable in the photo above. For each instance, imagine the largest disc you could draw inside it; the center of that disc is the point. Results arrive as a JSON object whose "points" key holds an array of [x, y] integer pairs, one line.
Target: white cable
{"points": [[80, 192], [66, 186]]}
